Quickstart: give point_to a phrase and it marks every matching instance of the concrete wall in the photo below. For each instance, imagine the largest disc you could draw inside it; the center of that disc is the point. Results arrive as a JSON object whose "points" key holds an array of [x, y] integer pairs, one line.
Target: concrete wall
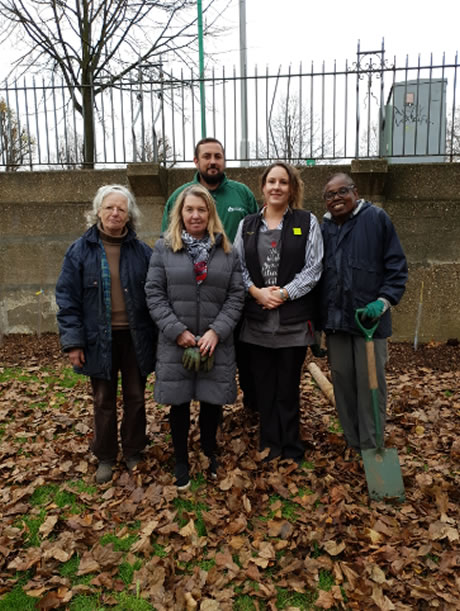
{"points": [[43, 212]]}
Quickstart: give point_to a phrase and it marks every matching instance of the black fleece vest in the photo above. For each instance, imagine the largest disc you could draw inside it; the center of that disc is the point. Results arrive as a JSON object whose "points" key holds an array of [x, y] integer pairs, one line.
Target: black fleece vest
{"points": [[294, 235]]}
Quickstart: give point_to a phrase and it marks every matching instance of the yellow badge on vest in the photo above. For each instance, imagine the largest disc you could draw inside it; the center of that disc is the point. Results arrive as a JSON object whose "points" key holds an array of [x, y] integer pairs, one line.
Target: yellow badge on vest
{"points": [[297, 231]]}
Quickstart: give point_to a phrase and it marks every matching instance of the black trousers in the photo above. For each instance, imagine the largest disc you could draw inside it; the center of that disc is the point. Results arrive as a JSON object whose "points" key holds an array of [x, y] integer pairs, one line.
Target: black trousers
{"points": [[276, 374], [243, 363], [179, 419], [133, 424]]}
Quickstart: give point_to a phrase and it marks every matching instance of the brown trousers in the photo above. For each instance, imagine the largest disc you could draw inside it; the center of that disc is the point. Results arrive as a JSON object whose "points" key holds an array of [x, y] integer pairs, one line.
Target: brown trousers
{"points": [[133, 423]]}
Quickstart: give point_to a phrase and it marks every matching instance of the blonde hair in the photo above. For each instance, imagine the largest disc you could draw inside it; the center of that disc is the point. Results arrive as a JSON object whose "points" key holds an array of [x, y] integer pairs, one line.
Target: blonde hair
{"points": [[295, 182], [173, 235]]}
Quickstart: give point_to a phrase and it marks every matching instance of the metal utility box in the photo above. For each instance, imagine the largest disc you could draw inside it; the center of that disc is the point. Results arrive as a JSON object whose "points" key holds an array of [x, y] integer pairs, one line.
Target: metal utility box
{"points": [[414, 122]]}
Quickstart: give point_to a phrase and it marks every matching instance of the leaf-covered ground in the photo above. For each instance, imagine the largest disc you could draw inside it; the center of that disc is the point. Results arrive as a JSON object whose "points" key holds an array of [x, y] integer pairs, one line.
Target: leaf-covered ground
{"points": [[261, 537]]}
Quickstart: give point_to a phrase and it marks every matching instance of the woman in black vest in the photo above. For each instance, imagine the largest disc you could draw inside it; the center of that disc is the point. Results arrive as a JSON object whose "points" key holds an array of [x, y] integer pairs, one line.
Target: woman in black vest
{"points": [[281, 251]]}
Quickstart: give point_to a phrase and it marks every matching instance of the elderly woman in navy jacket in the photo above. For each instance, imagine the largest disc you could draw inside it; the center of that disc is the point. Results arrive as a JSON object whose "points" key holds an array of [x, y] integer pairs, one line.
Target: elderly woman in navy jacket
{"points": [[195, 295], [104, 324]]}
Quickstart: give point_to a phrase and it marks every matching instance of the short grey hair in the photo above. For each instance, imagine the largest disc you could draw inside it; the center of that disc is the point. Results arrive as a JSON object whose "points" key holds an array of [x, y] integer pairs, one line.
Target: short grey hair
{"points": [[134, 214]]}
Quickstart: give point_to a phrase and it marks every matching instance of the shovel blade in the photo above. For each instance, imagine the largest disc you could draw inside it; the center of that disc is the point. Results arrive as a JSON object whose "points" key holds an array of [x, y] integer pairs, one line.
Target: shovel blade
{"points": [[383, 474]]}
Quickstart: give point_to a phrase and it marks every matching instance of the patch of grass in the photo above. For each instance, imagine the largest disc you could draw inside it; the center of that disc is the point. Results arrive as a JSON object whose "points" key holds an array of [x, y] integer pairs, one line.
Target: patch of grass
{"points": [[2, 430], [126, 571], [51, 493], [84, 602], [244, 603], [304, 492], [197, 482], [119, 545], [128, 602], [184, 506], [289, 509], [287, 598], [69, 569], [67, 378], [326, 580], [17, 600], [316, 552], [32, 524], [43, 495], [448, 393], [207, 564], [83, 487], [84, 580], [159, 550], [135, 526], [7, 374]]}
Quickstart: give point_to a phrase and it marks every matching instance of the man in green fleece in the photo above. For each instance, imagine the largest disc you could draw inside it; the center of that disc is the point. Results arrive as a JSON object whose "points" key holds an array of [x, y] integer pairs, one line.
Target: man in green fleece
{"points": [[233, 200]]}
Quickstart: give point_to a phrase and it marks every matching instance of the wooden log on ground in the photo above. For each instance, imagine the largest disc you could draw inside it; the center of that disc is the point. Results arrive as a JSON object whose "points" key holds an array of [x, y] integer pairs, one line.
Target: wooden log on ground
{"points": [[324, 384]]}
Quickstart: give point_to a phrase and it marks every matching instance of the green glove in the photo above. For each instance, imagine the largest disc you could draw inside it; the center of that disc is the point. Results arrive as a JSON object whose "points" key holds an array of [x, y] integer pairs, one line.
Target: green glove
{"points": [[374, 309], [191, 359], [318, 351], [207, 363]]}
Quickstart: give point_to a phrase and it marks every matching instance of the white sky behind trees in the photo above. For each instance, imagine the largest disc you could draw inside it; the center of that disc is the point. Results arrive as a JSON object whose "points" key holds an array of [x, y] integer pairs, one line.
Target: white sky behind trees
{"points": [[290, 31]]}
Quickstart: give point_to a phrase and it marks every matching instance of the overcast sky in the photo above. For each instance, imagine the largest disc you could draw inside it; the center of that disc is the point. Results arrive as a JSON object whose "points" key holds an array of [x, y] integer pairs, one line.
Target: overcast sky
{"points": [[290, 31]]}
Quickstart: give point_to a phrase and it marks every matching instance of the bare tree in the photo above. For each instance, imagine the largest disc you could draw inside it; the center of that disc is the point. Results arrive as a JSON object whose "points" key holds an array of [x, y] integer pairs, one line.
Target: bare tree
{"points": [[154, 148], [16, 145], [294, 134], [453, 135], [94, 44], [70, 149]]}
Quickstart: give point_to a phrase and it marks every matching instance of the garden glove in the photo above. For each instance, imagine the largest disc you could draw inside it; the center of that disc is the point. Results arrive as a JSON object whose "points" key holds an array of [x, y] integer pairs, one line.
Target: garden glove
{"points": [[318, 351], [191, 358], [318, 347], [374, 309]]}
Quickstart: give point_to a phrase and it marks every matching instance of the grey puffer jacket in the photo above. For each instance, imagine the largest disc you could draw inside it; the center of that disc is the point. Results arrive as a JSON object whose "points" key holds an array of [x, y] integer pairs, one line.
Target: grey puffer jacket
{"points": [[176, 303]]}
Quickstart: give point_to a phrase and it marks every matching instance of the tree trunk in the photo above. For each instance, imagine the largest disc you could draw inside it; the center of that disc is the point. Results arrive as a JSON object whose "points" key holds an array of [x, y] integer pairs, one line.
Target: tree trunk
{"points": [[88, 124]]}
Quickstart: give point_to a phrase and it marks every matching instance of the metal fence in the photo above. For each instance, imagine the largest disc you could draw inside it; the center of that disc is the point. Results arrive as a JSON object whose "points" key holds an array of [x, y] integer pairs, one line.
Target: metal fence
{"points": [[370, 107]]}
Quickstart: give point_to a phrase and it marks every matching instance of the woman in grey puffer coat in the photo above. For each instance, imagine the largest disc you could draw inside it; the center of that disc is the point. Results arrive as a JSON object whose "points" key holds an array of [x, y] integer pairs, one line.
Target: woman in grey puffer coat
{"points": [[195, 295]]}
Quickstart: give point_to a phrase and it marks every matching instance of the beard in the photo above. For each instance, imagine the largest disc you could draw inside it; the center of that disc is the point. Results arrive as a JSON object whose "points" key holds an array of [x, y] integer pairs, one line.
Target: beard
{"points": [[212, 179]]}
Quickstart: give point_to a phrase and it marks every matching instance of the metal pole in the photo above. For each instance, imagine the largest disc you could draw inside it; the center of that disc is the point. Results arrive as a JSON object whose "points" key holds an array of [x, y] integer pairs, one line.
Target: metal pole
{"points": [[244, 149], [201, 62]]}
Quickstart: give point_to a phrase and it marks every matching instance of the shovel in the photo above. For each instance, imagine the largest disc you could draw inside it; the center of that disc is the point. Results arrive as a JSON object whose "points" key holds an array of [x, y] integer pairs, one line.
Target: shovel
{"points": [[383, 471]]}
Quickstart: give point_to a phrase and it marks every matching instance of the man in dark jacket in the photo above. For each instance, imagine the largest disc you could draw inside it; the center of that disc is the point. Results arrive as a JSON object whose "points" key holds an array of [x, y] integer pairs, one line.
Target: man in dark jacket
{"points": [[104, 323], [364, 267]]}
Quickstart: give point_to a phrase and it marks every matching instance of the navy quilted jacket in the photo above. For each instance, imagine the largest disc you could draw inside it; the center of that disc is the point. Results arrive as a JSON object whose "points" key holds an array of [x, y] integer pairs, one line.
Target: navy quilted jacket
{"points": [[79, 296], [363, 260]]}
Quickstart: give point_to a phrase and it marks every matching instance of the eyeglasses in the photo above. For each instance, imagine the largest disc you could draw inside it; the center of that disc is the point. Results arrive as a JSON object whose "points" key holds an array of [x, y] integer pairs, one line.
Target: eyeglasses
{"points": [[329, 195], [111, 209]]}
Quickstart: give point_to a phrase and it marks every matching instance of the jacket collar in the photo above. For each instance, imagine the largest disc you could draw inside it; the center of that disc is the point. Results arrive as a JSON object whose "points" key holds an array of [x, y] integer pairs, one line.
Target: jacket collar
{"points": [[92, 234], [360, 204]]}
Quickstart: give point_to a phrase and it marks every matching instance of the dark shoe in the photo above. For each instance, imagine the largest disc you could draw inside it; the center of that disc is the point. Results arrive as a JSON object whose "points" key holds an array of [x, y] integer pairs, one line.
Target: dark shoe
{"points": [[133, 461], [104, 472], [182, 476], [213, 466], [272, 455]]}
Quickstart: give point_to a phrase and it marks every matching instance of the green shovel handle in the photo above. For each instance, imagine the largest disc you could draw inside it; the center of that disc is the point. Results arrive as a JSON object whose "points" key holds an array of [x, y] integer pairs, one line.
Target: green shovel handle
{"points": [[368, 332]]}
